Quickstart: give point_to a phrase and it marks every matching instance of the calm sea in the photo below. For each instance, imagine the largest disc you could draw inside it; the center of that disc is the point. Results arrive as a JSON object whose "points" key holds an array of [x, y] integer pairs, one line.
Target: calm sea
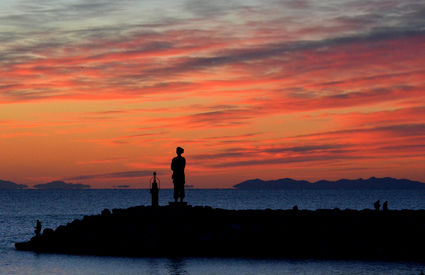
{"points": [[19, 209]]}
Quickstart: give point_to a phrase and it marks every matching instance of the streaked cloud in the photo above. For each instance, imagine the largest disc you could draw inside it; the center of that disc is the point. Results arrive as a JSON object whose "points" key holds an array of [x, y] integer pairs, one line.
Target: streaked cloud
{"points": [[264, 85], [116, 175]]}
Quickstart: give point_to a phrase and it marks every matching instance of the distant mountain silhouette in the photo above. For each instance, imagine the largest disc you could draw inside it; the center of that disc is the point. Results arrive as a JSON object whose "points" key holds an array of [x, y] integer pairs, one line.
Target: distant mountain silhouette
{"points": [[371, 183], [61, 185], [8, 185]]}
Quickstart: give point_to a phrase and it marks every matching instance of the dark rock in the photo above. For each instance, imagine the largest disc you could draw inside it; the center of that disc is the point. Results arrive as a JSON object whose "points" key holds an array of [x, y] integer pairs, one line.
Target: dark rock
{"points": [[106, 212], [49, 232]]}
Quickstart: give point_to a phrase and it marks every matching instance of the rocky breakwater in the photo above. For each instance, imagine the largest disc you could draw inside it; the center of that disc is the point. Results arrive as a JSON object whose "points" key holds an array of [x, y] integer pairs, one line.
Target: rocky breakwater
{"points": [[204, 231]]}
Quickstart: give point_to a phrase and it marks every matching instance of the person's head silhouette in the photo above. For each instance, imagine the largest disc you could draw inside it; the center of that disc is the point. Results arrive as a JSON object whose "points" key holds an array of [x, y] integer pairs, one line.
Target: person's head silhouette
{"points": [[179, 151]]}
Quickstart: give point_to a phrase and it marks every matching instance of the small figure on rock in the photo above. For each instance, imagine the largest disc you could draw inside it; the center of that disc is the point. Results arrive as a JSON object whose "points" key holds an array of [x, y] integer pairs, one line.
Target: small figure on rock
{"points": [[377, 205], [177, 165], [385, 206], [154, 190], [37, 229]]}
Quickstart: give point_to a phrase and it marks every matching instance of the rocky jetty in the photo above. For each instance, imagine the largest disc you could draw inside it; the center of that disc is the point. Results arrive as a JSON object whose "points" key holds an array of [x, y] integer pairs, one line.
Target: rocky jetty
{"points": [[181, 230]]}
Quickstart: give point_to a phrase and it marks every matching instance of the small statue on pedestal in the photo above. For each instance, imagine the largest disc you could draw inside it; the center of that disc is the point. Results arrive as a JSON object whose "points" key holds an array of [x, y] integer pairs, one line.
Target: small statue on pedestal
{"points": [[154, 182]]}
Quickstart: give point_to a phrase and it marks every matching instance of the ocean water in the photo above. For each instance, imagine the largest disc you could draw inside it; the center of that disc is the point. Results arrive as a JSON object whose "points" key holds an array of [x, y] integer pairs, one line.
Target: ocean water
{"points": [[19, 209]]}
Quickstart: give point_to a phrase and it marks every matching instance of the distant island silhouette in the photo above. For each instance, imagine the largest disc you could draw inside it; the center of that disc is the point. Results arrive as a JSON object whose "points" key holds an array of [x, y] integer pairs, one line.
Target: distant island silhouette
{"points": [[8, 185], [351, 184], [61, 185]]}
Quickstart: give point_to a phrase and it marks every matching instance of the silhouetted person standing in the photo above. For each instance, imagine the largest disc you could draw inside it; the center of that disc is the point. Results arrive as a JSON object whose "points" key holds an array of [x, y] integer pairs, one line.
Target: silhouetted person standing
{"points": [[385, 206], [177, 165], [37, 229], [377, 205]]}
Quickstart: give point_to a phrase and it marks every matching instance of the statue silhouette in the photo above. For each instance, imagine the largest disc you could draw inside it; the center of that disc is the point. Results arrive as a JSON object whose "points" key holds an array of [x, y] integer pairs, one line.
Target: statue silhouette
{"points": [[177, 165], [154, 190]]}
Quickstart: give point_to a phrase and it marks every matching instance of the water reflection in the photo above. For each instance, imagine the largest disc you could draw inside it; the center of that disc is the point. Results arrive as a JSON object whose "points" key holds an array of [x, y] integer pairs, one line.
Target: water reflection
{"points": [[154, 267], [176, 266]]}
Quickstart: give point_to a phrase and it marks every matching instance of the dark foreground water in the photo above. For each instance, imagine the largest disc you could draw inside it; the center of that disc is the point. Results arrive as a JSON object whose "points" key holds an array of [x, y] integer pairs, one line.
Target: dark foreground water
{"points": [[19, 209]]}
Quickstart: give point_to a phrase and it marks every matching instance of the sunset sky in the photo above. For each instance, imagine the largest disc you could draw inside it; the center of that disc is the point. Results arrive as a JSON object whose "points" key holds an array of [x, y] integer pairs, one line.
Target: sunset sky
{"points": [[101, 92]]}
